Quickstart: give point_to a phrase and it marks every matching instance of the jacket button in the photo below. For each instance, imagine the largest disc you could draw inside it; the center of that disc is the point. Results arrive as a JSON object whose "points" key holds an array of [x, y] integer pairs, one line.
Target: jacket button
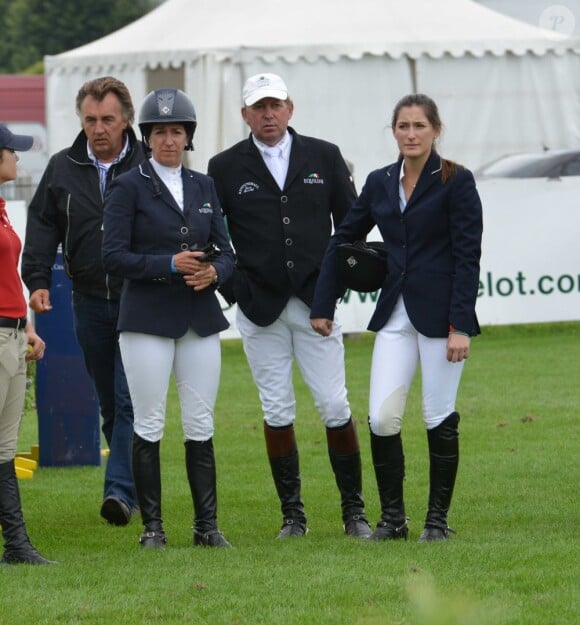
{"points": [[184, 246], [288, 242], [290, 264], [184, 229], [284, 199], [286, 220]]}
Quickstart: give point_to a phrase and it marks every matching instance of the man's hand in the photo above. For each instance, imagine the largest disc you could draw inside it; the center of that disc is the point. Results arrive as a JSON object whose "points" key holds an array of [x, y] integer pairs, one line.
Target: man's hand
{"points": [[40, 301], [322, 326]]}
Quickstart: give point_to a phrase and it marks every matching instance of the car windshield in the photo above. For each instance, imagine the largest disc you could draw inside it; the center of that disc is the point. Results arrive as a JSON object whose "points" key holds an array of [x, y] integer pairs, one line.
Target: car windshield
{"points": [[518, 166]]}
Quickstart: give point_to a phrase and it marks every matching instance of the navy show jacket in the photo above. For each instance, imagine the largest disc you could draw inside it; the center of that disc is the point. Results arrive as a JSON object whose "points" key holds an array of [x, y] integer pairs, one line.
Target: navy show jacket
{"points": [[433, 249], [280, 236], [143, 229]]}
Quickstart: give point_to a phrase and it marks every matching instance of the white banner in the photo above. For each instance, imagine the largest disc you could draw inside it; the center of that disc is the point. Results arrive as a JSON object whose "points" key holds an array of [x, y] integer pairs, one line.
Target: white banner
{"points": [[530, 265]]}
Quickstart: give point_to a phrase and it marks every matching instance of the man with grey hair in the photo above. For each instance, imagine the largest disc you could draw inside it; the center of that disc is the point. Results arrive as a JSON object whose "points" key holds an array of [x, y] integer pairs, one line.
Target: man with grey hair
{"points": [[67, 210]]}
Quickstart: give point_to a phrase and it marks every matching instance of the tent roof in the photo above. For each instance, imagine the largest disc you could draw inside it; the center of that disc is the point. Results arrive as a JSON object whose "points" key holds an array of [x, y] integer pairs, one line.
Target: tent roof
{"points": [[179, 31]]}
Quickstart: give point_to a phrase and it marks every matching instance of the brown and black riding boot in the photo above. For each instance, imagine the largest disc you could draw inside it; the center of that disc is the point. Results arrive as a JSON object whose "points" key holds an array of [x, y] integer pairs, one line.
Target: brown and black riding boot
{"points": [[17, 546], [201, 474], [443, 462], [389, 465], [284, 463], [344, 453], [147, 476]]}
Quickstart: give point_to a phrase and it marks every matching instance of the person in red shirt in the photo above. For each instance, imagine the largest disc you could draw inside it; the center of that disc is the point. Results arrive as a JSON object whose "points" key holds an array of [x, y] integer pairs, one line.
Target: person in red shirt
{"points": [[19, 343]]}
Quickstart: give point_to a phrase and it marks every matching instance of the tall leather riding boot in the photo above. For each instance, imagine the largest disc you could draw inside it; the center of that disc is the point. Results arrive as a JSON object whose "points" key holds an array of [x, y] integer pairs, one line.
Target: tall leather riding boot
{"points": [[284, 463], [389, 465], [443, 460], [147, 476], [17, 546], [201, 474], [344, 453]]}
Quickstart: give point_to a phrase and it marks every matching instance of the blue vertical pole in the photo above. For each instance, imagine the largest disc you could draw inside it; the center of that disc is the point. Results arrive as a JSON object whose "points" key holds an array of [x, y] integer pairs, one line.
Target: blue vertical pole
{"points": [[66, 403]]}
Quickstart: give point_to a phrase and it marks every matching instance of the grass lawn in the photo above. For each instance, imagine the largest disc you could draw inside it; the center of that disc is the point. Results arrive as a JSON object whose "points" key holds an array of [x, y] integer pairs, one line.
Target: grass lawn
{"points": [[514, 559]]}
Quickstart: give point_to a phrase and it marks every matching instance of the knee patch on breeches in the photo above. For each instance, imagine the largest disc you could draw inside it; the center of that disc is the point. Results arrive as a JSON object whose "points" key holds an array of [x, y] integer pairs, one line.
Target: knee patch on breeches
{"points": [[390, 416]]}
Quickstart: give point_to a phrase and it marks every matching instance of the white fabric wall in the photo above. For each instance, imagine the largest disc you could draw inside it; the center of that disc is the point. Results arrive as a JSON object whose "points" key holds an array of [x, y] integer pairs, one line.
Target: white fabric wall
{"points": [[346, 102], [63, 124], [493, 106], [490, 106]]}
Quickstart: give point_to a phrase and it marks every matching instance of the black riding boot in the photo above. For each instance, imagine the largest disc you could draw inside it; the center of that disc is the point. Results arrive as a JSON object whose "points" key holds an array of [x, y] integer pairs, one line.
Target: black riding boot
{"points": [[389, 464], [284, 462], [17, 546], [344, 453], [147, 476], [444, 460], [201, 473]]}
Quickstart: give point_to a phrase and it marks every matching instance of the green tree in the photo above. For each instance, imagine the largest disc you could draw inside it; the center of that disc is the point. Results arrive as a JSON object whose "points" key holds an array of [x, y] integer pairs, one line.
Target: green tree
{"points": [[34, 28]]}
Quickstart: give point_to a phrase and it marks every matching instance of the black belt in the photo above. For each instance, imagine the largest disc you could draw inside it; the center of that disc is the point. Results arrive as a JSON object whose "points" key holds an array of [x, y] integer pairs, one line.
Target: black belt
{"points": [[9, 322]]}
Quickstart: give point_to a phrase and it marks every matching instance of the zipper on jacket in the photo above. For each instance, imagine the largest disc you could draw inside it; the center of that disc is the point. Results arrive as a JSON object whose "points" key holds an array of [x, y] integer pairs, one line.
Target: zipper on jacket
{"points": [[65, 251]]}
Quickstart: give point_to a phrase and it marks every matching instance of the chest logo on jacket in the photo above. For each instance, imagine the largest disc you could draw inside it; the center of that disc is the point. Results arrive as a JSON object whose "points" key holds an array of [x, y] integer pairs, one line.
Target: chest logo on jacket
{"points": [[206, 208], [314, 178], [248, 187]]}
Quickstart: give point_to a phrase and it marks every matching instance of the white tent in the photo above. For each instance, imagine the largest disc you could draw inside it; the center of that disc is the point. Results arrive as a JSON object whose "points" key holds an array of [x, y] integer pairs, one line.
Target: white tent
{"points": [[501, 85]]}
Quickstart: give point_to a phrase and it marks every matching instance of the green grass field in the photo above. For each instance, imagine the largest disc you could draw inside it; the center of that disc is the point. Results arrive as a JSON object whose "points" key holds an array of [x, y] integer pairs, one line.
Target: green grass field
{"points": [[513, 561]]}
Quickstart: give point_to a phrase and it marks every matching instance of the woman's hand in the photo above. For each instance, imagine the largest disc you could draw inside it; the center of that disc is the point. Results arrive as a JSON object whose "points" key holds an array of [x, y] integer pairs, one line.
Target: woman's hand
{"points": [[36, 345], [322, 326], [457, 347], [196, 274]]}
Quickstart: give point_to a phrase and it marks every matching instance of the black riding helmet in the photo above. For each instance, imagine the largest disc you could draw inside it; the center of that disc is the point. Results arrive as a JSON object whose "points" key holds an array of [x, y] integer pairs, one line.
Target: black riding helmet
{"points": [[167, 106]]}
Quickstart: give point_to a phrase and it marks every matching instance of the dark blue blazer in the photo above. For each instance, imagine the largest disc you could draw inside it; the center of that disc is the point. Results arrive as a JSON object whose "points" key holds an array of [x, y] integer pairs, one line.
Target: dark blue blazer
{"points": [[280, 236], [143, 229], [433, 249]]}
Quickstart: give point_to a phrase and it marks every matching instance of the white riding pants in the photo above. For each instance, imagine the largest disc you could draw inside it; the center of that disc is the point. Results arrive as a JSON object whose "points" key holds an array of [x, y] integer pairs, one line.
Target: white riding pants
{"points": [[196, 364], [271, 351], [398, 349]]}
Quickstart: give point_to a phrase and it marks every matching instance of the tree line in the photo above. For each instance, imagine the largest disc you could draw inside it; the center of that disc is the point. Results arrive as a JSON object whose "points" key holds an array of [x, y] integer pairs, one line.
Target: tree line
{"points": [[32, 29]]}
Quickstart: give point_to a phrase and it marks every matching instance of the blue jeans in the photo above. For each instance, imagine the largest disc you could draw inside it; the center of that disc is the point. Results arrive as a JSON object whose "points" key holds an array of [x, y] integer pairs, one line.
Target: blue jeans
{"points": [[96, 331]]}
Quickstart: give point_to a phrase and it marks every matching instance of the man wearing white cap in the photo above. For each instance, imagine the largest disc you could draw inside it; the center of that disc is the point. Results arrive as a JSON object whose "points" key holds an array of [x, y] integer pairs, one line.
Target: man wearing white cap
{"points": [[281, 193]]}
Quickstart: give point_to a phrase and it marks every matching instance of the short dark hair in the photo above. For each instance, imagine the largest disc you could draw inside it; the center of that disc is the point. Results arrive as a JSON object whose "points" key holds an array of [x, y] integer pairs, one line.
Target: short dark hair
{"points": [[98, 88]]}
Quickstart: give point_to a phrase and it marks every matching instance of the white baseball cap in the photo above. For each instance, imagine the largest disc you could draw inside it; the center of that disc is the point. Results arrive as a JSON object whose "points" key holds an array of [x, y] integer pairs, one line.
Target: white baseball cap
{"points": [[264, 86]]}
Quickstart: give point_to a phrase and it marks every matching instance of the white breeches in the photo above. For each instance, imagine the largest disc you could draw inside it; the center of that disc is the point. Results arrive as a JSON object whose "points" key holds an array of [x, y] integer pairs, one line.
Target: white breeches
{"points": [[196, 364], [271, 351], [398, 349]]}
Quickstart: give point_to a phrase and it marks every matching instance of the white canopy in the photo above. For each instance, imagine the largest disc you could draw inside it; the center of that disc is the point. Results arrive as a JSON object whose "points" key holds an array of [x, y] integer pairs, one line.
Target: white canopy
{"points": [[501, 85]]}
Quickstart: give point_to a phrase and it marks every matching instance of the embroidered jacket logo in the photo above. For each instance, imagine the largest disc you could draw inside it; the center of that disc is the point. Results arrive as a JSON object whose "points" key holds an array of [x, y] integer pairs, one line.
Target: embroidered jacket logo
{"points": [[248, 187], [206, 208], [314, 178]]}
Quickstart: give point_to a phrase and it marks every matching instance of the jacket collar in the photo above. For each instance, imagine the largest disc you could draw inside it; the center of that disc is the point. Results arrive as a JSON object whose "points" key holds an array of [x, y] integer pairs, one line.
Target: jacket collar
{"points": [[159, 189], [255, 163], [429, 176], [78, 150]]}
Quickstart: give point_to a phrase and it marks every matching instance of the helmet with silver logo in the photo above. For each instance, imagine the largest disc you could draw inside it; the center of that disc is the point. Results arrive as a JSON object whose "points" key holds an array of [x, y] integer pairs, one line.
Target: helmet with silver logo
{"points": [[167, 106]]}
